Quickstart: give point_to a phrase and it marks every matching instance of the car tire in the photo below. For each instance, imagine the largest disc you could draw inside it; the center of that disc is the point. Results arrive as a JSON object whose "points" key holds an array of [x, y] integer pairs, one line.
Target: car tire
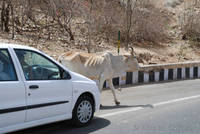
{"points": [[83, 111]]}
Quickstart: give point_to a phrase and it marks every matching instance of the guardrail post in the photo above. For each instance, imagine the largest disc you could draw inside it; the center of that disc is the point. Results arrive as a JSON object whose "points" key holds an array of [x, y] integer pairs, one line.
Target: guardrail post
{"points": [[146, 77], [183, 73], [198, 72], [175, 73], [157, 74], [135, 77], [166, 71], [191, 72]]}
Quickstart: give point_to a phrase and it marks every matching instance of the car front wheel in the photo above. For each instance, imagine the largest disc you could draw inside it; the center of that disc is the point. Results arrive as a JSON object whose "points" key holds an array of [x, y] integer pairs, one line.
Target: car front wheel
{"points": [[83, 111]]}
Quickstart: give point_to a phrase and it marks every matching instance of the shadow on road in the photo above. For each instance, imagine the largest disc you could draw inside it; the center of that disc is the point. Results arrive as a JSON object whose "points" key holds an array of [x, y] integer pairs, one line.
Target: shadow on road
{"points": [[125, 106], [65, 127]]}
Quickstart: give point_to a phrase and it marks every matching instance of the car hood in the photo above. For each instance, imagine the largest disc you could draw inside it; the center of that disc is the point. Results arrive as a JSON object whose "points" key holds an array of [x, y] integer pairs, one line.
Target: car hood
{"points": [[79, 77]]}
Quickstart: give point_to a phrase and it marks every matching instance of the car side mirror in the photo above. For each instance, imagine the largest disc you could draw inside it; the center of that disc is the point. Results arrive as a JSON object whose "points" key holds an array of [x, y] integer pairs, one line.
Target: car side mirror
{"points": [[66, 75]]}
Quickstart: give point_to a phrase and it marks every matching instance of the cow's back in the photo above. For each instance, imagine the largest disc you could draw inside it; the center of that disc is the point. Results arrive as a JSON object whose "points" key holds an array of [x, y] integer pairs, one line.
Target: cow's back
{"points": [[91, 65]]}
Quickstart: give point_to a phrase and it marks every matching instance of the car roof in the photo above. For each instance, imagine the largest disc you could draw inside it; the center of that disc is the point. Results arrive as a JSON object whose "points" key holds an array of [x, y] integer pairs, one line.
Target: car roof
{"points": [[15, 46]]}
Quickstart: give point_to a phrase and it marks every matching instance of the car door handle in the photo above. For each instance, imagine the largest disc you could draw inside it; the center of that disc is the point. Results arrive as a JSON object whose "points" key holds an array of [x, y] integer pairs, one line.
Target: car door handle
{"points": [[33, 87]]}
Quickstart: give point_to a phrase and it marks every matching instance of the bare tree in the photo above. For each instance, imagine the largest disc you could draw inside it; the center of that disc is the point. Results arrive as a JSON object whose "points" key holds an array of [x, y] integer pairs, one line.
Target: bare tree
{"points": [[89, 25], [45, 15], [129, 14], [5, 14], [97, 21], [86, 12]]}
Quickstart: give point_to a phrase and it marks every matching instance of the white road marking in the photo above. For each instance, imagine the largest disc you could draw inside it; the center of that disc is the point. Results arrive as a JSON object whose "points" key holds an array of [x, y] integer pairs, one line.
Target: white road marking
{"points": [[154, 105], [176, 100]]}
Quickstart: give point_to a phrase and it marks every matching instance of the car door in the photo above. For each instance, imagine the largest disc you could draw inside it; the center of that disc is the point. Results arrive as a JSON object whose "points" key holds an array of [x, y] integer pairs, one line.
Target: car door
{"points": [[12, 92], [49, 87]]}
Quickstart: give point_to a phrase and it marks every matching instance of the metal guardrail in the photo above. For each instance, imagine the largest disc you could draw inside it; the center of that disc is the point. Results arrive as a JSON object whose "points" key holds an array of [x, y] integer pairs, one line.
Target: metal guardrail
{"points": [[159, 72], [158, 67]]}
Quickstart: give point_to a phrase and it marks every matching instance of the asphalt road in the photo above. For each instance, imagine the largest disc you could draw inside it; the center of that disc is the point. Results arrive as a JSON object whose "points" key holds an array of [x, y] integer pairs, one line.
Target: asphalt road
{"points": [[164, 108]]}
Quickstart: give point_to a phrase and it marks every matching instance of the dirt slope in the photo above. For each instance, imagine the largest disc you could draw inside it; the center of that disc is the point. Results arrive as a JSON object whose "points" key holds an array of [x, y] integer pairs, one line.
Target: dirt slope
{"points": [[175, 50]]}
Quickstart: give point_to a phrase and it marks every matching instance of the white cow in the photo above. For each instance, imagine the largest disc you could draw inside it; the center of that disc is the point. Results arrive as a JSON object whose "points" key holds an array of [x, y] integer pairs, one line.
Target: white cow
{"points": [[100, 67]]}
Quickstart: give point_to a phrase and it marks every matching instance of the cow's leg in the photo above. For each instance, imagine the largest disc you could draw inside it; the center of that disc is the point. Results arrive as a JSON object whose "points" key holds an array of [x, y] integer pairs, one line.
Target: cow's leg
{"points": [[113, 91], [101, 83]]}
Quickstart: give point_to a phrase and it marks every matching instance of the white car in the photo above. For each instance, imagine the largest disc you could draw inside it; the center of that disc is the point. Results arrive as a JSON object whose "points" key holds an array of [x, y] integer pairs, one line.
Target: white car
{"points": [[36, 90]]}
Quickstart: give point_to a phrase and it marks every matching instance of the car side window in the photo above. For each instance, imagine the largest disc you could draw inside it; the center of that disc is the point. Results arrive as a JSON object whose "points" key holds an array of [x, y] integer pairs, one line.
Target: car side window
{"points": [[7, 70], [38, 67]]}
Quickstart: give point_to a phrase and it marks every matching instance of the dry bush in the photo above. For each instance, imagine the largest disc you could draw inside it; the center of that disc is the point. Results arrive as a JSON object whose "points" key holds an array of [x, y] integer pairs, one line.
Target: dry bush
{"points": [[144, 22], [43, 18], [110, 19], [88, 22], [190, 21], [99, 24], [148, 23]]}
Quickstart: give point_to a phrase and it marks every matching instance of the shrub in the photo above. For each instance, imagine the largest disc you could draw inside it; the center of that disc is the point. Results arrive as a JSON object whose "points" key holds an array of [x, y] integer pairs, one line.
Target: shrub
{"points": [[190, 21]]}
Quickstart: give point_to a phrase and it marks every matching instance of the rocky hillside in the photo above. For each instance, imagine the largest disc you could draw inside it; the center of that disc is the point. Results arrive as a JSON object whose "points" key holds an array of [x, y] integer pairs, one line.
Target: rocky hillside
{"points": [[158, 30]]}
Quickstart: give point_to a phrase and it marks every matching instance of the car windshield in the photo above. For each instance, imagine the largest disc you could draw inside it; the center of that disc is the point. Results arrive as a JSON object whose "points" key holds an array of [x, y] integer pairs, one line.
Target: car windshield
{"points": [[37, 67]]}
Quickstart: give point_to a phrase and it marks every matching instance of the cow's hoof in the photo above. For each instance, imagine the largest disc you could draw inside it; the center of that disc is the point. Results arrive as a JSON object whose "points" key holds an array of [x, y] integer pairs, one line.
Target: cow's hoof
{"points": [[117, 103], [120, 89]]}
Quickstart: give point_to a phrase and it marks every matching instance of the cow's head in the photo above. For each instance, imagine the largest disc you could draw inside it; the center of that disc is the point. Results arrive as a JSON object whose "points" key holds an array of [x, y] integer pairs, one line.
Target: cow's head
{"points": [[130, 60]]}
